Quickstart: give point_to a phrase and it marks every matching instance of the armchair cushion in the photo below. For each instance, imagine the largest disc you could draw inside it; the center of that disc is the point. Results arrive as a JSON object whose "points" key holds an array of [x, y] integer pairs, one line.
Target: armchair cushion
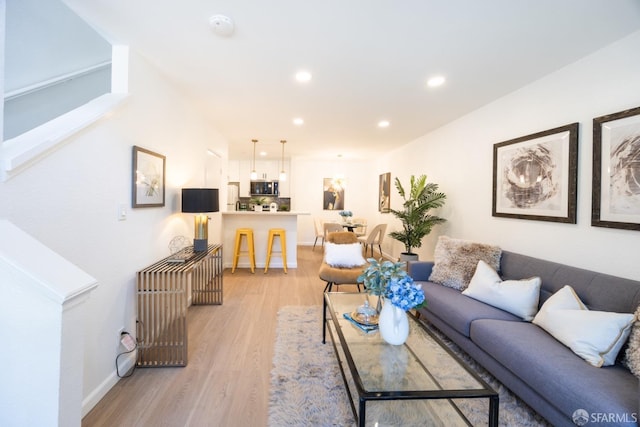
{"points": [[345, 255]]}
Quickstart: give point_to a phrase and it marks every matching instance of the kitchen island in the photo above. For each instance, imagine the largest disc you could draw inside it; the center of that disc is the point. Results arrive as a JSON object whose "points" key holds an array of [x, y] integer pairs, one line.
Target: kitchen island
{"points": [[261, 222]]}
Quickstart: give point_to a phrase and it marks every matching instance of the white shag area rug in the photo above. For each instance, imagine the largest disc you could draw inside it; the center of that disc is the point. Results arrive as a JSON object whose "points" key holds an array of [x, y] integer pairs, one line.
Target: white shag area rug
{"points": [[307, 388]]}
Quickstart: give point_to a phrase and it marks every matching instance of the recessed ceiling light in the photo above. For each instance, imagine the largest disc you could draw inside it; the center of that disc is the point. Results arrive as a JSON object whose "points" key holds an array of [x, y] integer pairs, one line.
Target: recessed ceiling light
{"points": [[303, 76], [436, 81], [298, 121], [263, 153], [383, 124]]}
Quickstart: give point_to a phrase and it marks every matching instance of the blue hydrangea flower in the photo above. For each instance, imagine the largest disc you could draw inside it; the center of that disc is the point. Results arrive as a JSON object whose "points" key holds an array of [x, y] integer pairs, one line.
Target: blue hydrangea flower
{"points": [[404, 293]]}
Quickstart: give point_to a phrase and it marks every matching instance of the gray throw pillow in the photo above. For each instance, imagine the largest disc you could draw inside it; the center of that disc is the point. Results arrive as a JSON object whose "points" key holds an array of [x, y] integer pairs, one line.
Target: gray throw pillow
{"points": [[456, 261], [632, 355]]}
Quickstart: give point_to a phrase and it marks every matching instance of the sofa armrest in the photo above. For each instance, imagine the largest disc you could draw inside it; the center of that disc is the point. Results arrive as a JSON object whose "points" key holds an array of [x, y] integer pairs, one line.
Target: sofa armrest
{"points": [[420, 270]]}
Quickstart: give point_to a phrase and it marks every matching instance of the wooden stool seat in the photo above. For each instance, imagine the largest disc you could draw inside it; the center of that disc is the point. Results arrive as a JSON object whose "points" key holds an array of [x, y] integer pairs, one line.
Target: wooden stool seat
{"points": [[250, 252], [277, 232]]}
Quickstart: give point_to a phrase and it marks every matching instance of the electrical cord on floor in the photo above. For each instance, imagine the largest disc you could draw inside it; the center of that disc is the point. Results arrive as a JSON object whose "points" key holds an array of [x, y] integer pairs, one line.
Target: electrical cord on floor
{"points": [[132, 370]]}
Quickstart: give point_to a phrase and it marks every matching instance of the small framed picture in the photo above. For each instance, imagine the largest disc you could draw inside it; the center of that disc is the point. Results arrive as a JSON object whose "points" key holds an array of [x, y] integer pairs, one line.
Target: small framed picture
{"points": [[384, 193], [147, 178], [615, 201], [535, 176]]}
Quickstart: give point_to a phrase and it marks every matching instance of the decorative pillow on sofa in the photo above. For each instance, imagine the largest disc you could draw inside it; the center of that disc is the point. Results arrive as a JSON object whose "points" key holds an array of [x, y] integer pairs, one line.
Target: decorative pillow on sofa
{"points": [[632, 356], [596, 336], [349, 255], [455, 261], [519, 297]]}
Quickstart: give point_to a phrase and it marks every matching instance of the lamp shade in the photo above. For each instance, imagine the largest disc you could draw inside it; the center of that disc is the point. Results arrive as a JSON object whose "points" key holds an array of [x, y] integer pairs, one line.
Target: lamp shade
{"points": [[200, 200]]}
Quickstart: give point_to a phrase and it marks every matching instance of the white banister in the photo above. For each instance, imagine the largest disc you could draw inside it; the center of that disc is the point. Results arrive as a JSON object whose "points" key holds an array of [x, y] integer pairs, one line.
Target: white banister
{"points": [[42, 319]]}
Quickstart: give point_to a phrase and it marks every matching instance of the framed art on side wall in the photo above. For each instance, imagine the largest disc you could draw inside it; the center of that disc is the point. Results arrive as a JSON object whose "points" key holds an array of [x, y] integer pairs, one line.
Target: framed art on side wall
{"points": [[147, 178], [615, 201], [384, 193], [535, 176]]}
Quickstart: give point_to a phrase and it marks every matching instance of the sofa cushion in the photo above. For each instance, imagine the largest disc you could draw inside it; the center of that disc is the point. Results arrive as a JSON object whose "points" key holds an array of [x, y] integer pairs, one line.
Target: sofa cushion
{"points": [[596, 336], [519, 297], [554, 371], [456, 261], [459, 310]]}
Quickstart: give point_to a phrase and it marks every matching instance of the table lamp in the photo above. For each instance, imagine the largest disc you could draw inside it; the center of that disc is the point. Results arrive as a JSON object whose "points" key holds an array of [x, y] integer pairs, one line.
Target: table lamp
{"points": [[200, 201]]}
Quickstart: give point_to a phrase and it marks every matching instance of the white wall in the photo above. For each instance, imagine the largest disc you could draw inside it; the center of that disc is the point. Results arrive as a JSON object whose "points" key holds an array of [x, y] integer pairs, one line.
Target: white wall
{"points": [[458, 157], [306, 181], [69, 201]]}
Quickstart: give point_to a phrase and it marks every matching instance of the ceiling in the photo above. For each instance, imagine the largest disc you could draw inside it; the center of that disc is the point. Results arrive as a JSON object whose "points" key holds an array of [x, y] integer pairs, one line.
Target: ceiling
{"points": [[369, 60]]}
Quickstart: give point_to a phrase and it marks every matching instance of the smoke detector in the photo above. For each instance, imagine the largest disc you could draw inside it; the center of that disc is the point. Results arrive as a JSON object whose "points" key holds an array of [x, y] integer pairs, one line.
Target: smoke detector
{"points": [[221, 25]]}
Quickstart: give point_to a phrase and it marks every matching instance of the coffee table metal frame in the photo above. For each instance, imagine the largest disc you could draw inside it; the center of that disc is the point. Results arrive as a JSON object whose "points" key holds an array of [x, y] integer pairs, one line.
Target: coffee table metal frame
{"points": [[365, 396]]}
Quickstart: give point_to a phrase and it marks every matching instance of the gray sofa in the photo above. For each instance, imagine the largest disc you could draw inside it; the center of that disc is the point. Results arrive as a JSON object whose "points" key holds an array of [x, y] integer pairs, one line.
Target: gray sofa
{"points": [[544, 373]]}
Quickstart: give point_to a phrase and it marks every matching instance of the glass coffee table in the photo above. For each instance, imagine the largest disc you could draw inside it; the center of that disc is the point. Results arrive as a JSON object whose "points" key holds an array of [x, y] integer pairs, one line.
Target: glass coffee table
{"points": [[405, 384]]}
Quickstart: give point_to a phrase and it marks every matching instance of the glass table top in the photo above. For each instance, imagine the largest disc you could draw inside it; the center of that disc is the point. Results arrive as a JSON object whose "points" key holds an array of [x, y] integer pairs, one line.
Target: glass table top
{"points": [[422, 368]]}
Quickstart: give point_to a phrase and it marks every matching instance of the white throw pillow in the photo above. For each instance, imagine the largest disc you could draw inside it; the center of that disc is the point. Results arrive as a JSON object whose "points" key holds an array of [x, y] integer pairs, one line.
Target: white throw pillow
{"points": [[596, 336], [344, 255], [519, 297]]}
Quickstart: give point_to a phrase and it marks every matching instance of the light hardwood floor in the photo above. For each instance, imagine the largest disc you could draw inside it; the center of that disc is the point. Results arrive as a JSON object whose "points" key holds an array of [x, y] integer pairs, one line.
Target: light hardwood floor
{"points": [[226, 380]]}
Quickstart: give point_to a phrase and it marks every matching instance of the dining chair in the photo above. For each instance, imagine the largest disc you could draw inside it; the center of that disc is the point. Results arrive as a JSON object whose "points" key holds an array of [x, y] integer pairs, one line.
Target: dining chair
{"points": [[318, 225], [362, 230], [375, 237]]}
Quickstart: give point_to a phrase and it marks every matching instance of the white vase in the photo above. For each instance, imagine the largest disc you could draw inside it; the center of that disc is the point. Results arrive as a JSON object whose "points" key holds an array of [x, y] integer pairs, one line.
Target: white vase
{"points": [[393, 324]]}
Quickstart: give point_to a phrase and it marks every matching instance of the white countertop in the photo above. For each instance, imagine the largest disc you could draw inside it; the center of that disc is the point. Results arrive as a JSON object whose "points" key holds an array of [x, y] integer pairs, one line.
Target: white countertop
{"points": [[253, 213]]}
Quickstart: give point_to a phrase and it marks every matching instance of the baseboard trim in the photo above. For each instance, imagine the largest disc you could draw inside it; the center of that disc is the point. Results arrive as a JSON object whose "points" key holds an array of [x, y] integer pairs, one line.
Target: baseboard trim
{"points": [[92, 399]]}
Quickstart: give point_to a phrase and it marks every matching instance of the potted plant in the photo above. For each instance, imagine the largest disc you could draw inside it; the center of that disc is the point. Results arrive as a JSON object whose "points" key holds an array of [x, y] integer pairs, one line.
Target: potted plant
{"points": [[416, 220], [258, 202], [346, 215], [377, 274]]}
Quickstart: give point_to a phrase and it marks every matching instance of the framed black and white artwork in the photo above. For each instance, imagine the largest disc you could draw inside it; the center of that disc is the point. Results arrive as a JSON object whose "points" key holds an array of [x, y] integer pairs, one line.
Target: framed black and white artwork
{"points": [[535, 176], [615, 201]]}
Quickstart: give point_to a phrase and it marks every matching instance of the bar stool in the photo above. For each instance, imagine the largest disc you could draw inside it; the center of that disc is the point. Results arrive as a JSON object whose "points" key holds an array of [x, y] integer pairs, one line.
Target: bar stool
{"points": [[280, 232], [250, 252]]}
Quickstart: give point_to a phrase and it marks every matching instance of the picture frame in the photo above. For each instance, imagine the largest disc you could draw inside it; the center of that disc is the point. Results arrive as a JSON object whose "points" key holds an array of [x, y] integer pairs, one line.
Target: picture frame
{"points": [[615, 199], [148, 178], [535, 177], [384, 193], [333, 190]]}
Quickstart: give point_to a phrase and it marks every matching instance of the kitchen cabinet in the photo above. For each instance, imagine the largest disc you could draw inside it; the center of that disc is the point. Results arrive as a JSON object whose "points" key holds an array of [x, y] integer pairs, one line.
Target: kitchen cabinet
{"points": [[233, 171]]}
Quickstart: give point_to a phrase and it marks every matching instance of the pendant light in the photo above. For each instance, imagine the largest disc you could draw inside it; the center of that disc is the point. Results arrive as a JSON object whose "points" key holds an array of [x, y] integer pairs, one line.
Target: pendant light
{"points": [[283, 174], [254, 174]]}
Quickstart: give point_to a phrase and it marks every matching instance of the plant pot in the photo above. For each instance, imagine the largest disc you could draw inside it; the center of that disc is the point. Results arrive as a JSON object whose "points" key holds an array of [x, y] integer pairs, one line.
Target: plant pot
{"points": [[406, 256]]}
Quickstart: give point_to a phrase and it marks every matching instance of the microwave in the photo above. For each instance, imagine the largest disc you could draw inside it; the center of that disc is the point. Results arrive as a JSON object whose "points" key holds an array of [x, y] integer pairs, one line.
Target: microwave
{"points": [[264, 188]]}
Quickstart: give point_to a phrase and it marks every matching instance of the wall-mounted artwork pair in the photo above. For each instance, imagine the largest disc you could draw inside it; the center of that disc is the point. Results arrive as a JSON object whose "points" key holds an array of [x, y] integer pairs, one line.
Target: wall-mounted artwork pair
{"points": [[535, 176]]}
